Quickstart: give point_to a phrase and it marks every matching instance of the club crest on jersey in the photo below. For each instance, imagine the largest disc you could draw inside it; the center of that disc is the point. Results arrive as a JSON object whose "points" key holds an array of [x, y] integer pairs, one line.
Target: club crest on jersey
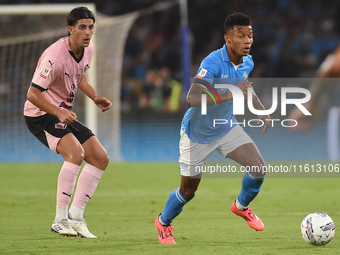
{"points": [[202, 73], [46, 71]]}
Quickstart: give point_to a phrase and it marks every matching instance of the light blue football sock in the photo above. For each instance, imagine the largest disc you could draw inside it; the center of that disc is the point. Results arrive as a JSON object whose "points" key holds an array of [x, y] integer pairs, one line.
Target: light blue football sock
{"points": [[173, 207], [251, 186]]}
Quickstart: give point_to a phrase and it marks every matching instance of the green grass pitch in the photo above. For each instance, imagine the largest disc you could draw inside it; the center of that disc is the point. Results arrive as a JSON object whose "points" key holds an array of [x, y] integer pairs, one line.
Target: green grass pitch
{"points": [[130, 196]]}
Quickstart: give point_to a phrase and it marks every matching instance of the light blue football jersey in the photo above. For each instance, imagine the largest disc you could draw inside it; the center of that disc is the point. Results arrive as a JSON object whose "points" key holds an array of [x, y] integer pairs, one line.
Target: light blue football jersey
{"points": [[216, 68]]}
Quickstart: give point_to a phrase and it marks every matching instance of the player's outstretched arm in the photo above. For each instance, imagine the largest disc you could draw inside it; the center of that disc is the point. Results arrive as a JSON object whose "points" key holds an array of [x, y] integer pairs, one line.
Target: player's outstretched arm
{"points": [[330, 68], [35, 96], [102, 102], [306, 122]]}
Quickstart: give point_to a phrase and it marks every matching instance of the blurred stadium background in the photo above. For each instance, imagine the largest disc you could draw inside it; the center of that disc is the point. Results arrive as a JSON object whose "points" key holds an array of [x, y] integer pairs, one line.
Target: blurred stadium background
{"points": [[291, 38]]}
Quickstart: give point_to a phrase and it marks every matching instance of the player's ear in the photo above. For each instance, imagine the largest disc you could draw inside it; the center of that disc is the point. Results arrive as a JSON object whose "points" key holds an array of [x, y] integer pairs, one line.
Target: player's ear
{"points": [[227, 38], [70, 29]]}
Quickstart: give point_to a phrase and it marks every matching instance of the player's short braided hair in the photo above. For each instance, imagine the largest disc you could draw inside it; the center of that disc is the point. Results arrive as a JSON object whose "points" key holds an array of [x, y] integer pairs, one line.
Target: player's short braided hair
{"points": [[79, 13], [236, 19]]}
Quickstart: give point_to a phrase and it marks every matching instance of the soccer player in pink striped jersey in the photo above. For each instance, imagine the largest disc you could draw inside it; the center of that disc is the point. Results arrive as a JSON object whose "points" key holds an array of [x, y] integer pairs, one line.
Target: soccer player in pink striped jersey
{"points": [[61, 70]]}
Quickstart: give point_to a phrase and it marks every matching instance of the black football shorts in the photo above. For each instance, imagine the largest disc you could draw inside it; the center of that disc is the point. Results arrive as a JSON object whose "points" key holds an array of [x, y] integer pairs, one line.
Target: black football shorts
{"points": [[49, 130]]}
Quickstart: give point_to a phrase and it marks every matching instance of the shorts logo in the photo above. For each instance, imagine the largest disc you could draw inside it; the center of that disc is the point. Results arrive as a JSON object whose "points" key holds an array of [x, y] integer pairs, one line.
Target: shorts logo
{"points": [[46, 71], [60, 126], [202, 73], [184, 166]]}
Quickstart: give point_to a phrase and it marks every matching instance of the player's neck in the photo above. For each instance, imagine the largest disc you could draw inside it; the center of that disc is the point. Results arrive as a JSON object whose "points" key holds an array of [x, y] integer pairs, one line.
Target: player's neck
{"points": [[236, 59], [78, 51]]}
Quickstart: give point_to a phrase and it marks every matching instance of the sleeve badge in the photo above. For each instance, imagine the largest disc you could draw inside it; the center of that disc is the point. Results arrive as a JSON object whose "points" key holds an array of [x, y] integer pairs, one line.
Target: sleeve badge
{"points": [[46, 71]]}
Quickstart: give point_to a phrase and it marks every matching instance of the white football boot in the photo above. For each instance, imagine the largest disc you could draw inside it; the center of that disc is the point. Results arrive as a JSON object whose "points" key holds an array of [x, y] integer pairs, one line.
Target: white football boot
{"points": [[63, 228], [80, 227]]}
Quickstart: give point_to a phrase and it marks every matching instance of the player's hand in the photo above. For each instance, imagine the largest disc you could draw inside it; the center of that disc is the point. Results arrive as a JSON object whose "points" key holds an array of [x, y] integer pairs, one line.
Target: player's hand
{"points": [[243, 86], [67, 117], [304, 122], [103, 103], [266, 119]]}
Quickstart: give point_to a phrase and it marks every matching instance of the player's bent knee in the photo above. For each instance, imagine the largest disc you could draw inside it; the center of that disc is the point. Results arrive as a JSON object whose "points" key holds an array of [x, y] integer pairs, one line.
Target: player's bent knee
{"points": [[100, 161], [188, 194], [71, 150], [105, 161], [75, 157], [258, 171]]}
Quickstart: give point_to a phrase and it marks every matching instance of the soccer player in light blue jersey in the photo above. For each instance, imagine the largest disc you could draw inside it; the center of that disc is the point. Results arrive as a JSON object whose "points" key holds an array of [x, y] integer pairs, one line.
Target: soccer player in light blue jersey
{"points": [[199, 137]]}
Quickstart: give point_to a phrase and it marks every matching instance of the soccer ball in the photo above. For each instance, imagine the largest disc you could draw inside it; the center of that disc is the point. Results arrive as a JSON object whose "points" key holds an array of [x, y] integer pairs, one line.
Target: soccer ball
{"points": [[317, 228]]}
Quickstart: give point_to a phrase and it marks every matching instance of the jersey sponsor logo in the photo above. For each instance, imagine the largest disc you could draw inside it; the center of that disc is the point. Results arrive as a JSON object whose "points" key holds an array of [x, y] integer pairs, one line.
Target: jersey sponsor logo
{"points": [[202, 73], [63, 105], [70, 99], [46, 71], [224, 76], [72, 94]]}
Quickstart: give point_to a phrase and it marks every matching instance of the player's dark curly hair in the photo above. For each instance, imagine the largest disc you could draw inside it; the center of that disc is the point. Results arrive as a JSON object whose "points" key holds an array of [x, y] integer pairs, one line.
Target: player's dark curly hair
{"points": [[79, 13], [236, 19]]}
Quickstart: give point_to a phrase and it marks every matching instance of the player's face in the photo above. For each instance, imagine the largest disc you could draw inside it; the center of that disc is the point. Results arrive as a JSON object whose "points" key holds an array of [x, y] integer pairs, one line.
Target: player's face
{"points": [[239, 40], [81, 32]]}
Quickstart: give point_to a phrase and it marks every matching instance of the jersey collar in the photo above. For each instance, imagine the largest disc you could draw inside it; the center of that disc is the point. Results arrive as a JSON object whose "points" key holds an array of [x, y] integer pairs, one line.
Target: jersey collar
{"points": [[225, 55], [71, 53]]}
